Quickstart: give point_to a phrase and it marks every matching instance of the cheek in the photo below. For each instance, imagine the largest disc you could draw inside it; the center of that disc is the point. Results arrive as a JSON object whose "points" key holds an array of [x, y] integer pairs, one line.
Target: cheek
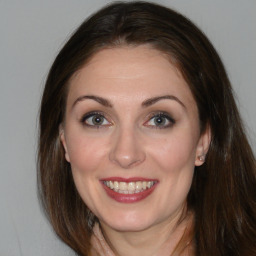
{"points": [[174, 153], [87, 157], [174, 160], [85, 153]]}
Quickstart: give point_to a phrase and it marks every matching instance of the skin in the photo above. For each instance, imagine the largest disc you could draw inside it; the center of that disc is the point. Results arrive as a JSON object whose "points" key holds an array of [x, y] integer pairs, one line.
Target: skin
{"points": [[129, 144]]}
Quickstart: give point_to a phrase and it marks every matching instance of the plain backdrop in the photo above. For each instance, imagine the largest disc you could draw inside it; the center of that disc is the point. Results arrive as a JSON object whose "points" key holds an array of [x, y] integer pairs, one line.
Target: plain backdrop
{"points": [[32, 33]]}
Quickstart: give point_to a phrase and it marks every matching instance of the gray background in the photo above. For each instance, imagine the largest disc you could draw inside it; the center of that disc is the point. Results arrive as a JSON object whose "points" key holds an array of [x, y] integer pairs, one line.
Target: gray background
{"points": [[32, 32]]}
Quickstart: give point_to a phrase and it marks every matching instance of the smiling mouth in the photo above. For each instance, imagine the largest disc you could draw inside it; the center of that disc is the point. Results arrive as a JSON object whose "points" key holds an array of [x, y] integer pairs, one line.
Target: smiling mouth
{"points": [[129, 187]]}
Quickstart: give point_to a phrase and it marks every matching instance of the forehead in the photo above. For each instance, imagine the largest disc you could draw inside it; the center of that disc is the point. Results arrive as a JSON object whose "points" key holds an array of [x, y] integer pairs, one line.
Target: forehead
{"points": [[136, 72]]}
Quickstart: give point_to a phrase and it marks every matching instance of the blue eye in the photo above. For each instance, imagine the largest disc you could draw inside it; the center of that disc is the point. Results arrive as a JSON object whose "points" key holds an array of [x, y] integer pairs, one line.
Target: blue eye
{"points": [[160, 120], [95, 119]]}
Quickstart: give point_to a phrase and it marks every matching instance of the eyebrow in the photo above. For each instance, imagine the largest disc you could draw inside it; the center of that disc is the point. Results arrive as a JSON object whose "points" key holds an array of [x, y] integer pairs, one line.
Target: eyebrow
{"points": [[100, 100], [145, 103], [151, 101]]}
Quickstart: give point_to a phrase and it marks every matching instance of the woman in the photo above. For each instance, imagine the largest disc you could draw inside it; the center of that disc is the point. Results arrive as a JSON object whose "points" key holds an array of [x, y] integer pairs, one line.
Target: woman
{"points": [[142, 150]]}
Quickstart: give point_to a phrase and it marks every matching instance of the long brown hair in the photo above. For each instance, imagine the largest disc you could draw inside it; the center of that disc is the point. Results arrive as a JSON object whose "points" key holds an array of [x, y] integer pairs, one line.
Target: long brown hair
{"points": [[223, 192]]}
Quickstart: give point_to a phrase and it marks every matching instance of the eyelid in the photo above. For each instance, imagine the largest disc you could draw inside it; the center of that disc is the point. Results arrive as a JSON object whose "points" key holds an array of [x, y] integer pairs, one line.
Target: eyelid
{"points": [[163, 114], [160, 114], [91, 114]]}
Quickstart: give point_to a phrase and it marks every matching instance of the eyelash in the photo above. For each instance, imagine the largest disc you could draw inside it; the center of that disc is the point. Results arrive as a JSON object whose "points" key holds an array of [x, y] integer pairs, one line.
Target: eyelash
{"points": [[87, 116], [152, 116], [164, 115]]}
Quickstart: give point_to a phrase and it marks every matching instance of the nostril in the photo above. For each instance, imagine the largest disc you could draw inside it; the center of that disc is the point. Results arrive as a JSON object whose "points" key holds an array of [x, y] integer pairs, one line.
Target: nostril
{"points": [[126, 161]]}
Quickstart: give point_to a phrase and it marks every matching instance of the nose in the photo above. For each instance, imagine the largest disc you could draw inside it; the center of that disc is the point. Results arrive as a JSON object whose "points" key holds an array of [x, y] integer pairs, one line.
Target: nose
{"points": [[126, 149]]}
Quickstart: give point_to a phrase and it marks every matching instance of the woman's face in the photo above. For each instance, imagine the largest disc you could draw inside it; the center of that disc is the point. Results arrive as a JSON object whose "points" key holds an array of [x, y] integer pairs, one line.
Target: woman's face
{"points": [[132, 137]]}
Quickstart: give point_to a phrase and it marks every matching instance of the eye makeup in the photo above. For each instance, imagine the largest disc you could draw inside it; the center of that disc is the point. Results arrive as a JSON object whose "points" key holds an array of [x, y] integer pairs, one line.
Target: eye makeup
{"points": [[155, 120], [160, 120], [95, 119]]}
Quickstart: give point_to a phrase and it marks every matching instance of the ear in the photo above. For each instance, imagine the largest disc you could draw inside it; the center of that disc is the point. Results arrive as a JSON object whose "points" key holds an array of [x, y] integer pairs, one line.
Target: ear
{"points": [[63, 141], [203, 146]]}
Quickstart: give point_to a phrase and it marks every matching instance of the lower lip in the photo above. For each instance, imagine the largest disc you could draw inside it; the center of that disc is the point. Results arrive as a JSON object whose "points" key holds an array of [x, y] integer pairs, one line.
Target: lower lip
{"points": [[129, 198]]}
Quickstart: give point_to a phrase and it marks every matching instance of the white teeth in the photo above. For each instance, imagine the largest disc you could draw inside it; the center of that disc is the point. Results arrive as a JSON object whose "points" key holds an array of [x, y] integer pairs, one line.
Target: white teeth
{"points": [[122, 186], [138, 185], [150, 184], [116, 185], [144, 184], [129, 187]]}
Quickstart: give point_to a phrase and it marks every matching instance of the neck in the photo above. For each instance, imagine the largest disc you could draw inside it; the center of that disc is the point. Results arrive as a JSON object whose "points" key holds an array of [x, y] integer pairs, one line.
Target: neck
{"points": [[161, 239]]}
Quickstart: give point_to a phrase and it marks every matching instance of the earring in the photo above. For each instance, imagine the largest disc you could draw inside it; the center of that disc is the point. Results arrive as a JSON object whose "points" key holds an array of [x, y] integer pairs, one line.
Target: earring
{"points": [[201, 158]]}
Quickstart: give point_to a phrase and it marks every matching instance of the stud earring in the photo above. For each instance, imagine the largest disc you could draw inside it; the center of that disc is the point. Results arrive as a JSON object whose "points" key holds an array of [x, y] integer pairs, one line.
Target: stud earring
{"points": [[201, 158]]}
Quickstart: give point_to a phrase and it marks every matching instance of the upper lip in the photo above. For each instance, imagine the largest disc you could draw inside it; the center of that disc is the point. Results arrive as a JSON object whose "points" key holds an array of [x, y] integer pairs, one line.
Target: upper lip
{"points": [[132, 179]]}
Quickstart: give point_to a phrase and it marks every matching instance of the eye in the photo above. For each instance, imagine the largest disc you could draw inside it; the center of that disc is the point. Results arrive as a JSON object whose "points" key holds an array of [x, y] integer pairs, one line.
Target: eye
{"points": [[95, 119], [160, 120]]}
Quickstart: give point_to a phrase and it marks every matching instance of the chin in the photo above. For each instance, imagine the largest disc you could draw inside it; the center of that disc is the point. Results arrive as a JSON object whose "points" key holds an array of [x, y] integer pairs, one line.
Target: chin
{"points": [[128, 222]]}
